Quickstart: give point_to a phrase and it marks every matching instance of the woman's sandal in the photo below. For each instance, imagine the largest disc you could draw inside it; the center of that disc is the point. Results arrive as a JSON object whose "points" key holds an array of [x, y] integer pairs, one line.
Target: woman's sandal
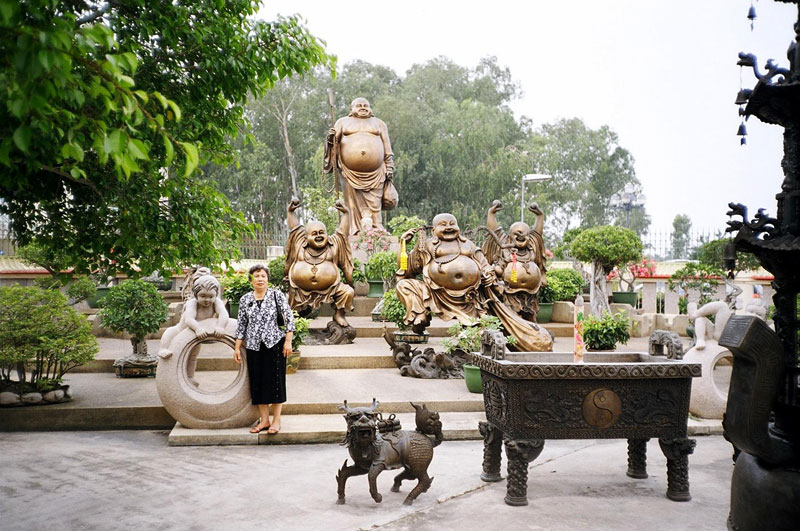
{"points": [[273, 431]]}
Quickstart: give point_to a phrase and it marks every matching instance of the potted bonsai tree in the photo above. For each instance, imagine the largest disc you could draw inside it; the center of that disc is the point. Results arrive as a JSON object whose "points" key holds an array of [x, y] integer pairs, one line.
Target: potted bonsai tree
{"points": [[137, 308], [394, 311], [605, 247], [301, 331], [41, 339], [380, 270], [607, 331], [463, 339]]}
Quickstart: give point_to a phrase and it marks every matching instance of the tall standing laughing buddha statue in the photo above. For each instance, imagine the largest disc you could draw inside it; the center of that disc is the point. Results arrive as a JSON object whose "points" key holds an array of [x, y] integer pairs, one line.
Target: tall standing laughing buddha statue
{"points": [[358, 146]]}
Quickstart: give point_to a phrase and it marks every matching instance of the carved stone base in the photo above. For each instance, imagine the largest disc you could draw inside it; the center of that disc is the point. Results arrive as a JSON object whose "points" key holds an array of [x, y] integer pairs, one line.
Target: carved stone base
{"points": [[425, 364], [136, 367], [333, 334]]}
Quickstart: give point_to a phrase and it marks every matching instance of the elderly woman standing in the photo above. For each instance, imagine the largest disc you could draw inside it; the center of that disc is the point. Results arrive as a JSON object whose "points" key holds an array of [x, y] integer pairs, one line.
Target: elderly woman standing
{"points": [[267, 346]]}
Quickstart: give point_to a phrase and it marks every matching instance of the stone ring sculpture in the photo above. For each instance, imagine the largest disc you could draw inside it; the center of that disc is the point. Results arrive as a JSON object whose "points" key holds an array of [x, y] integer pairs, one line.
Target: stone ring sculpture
{"points": [[230, 407]]}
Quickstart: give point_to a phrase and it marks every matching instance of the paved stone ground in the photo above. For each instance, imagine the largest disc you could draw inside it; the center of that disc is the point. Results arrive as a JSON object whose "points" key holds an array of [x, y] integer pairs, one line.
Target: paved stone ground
{"points": [[133, 480]]}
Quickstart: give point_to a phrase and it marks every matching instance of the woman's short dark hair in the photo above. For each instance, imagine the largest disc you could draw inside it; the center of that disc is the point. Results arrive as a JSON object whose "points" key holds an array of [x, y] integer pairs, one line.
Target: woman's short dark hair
{"points": [[257, 267]]}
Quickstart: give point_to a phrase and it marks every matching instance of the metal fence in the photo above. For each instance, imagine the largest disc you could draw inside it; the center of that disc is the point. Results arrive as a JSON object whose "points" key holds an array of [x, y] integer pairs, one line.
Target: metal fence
{"points": [[659, 244], [258, 246], [7, 247]]}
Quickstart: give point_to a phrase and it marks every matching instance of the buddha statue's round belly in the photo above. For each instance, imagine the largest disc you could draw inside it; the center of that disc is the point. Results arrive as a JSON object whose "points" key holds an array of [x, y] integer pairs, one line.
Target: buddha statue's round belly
{"points": [[362, 151], [461, 273], [530, 279], [314, 278]]}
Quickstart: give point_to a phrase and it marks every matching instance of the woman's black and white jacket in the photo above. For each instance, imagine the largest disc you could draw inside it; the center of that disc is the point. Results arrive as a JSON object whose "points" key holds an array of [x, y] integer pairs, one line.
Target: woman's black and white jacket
{"points": [[256, 322]]}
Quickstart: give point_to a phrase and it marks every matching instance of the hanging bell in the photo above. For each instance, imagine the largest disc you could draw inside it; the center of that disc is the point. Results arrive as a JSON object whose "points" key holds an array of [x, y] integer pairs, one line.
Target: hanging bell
{"points": [[742, 130], [729, 256], [751, 15], [742, 96], [741, 110]]}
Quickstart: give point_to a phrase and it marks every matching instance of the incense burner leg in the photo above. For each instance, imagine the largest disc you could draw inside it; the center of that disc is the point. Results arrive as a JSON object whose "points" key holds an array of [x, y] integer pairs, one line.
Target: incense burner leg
{"points": [[492, 445], [520, 452], [637, 458], [677, 453]]}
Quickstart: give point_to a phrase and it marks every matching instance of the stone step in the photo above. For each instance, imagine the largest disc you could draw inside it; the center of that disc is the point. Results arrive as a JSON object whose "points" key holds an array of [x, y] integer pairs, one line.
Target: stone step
{"points": [[362, 307], [102, 401], [310, 429]]}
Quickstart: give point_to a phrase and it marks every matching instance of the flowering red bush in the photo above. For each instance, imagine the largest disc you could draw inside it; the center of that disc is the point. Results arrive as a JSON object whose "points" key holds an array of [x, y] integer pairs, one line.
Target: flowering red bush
{"points": [[373, 240]]}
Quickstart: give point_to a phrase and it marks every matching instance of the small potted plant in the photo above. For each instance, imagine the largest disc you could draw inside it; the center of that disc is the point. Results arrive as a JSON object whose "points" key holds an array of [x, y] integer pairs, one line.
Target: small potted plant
{"points": [[135, 307], [606, 331], [41, 339], [547, 297], [234, 287], [464, 339], [380, 270], [301, 331], [277, 272], [394, 311]]}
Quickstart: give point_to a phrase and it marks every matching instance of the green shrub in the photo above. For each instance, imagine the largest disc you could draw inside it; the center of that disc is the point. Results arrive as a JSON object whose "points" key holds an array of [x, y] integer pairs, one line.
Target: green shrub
{"points": [[381, 266], [565, 283], [358, 271], [42, 336], [277, 269], [400, 224], [547, 294], [605, 332], [393, 309], [81, 289], [235, 286], [468, 338], [301, 331], [135, 307]]}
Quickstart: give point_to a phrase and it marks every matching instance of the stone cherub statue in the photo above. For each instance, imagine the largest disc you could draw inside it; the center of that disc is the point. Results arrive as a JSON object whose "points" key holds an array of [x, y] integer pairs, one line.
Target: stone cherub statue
{"points": [[313, 261], [358, 146], [205, 303], [518, 259], [458, 283]]}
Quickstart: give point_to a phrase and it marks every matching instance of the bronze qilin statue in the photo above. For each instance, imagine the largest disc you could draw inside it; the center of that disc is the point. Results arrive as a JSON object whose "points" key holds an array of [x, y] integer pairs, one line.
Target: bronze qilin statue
{"points": [[376, 445], [458, 283], [313, 261], [518, 259], [358, 147]]}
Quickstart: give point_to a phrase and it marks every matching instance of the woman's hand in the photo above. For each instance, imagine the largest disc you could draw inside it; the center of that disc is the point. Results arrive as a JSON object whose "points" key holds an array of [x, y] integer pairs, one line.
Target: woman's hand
{"points": [[287, 345], [237, 356]]}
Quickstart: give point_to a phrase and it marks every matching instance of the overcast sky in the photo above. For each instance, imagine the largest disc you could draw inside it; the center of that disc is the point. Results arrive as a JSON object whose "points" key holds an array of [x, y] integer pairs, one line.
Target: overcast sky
{"points": [[663, 75]]}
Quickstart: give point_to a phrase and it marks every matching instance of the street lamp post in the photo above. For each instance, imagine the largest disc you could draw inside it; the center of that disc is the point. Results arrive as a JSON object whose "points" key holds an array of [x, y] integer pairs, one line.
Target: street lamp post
{"points": [[627, 200], [530, 177]]}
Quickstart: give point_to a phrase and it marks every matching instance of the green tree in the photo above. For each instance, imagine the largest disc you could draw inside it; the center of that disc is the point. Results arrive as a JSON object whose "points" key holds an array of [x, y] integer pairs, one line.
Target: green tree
{"points": [[605, 247], [135, 307], [109, 108], [588, 166], [681, 226], [711, 253]]}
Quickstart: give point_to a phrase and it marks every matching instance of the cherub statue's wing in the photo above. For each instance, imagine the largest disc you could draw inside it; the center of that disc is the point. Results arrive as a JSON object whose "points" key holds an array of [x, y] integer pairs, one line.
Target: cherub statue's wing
{"points": [[343, 255], [491, 250], [297, 236]]}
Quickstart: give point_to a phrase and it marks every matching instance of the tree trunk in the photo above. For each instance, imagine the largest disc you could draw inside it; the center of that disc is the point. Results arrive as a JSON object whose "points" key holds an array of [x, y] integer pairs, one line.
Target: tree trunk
{"points": [[598, 290], [289, 155], [139, 347]]}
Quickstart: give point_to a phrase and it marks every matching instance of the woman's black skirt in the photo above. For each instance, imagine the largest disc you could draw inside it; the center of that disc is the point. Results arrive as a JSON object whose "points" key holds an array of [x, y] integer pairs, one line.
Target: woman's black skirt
{"points": [[267, 371]]}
